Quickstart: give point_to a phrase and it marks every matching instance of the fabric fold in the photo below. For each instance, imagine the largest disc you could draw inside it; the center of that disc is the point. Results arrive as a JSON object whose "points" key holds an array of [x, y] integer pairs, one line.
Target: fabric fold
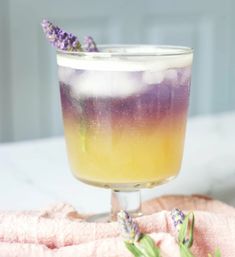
{"points": [[60, 231]]}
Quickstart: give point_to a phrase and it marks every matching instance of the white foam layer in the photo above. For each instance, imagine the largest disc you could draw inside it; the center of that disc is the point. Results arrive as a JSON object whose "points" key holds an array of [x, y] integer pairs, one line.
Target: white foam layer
{"points": [[157, 63]]}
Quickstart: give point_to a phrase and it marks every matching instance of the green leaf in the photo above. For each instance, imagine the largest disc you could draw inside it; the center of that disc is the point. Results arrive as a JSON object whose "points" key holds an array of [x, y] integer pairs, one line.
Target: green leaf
{"points": [[82, 133], [183, 230], [147, 247], [216, 254], [191, 230], [82, 129], [184, 251], [187, 228], [133, 249]]}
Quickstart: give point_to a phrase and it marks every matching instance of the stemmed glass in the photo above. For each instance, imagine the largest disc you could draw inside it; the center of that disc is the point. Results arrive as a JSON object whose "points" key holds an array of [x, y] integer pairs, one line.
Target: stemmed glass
{"points": [[124, 111]]}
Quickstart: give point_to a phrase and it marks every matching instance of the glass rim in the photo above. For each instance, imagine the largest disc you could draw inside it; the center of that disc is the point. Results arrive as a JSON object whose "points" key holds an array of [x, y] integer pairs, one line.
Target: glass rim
{"points": [[132, 50]]}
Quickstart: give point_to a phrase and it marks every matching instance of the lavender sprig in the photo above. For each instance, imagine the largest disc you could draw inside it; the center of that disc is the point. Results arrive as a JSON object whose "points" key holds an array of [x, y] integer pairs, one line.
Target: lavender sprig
{"points": [[184, 226], [140, 245], [178, 218], [59, 38], [89, 44], [129, 229], [63, 40]]}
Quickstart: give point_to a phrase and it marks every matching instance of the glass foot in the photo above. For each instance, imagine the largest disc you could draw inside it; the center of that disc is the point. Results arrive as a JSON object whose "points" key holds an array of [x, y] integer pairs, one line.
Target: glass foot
{"points": [[129, 201]]}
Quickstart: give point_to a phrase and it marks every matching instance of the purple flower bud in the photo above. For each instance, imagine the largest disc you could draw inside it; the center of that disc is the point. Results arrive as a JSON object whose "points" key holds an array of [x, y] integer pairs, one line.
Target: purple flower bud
{"points": [[74, 44], [60, 38], [90, 45], [130, 229], [178, 218]]}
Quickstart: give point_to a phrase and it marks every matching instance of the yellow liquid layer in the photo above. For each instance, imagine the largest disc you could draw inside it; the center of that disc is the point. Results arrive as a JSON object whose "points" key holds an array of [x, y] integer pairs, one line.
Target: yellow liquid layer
{"points": [[122, 156]]}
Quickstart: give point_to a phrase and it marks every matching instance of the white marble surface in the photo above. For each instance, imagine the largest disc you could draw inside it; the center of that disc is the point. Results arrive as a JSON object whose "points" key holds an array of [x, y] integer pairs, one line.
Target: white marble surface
{"points": [[36, 173]]}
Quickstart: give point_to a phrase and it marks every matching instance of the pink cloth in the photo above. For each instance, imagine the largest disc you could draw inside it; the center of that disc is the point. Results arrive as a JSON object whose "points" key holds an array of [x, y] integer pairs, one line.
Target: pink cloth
{"points": [[60, 231]]}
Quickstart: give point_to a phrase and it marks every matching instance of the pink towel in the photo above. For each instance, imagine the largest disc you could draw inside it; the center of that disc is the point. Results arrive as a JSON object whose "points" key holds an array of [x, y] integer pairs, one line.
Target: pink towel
{"points": [[60, 231]]}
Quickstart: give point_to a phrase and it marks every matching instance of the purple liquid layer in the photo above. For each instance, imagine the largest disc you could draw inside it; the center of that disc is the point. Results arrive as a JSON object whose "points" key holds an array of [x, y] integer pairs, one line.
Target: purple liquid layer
{"points": [[156, 102]]}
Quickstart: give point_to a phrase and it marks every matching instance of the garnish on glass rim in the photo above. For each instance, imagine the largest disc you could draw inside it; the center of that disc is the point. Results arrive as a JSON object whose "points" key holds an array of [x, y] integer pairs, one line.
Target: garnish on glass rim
{"points": [[89, 44], [66, 41]]}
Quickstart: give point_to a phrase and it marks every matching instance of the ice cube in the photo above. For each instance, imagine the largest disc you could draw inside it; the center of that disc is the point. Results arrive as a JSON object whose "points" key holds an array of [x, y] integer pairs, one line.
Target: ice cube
{"points": [[153, 77], [171, 75], [106, 84], [65, 74], [186, 76]]}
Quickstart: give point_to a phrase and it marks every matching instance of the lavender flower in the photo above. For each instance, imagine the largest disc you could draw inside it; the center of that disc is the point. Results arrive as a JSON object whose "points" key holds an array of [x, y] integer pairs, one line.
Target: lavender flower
{"points": [[178, 218], [60, 38], [89, 44], [130, 229]]}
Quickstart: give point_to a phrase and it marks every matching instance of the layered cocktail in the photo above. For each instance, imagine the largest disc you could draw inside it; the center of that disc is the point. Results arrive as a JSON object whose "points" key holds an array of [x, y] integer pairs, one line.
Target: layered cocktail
{"points": [[124, 111]]}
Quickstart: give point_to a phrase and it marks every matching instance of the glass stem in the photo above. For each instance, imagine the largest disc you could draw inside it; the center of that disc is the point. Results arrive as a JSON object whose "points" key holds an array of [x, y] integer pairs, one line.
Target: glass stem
{"points": [[129, 201]]}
